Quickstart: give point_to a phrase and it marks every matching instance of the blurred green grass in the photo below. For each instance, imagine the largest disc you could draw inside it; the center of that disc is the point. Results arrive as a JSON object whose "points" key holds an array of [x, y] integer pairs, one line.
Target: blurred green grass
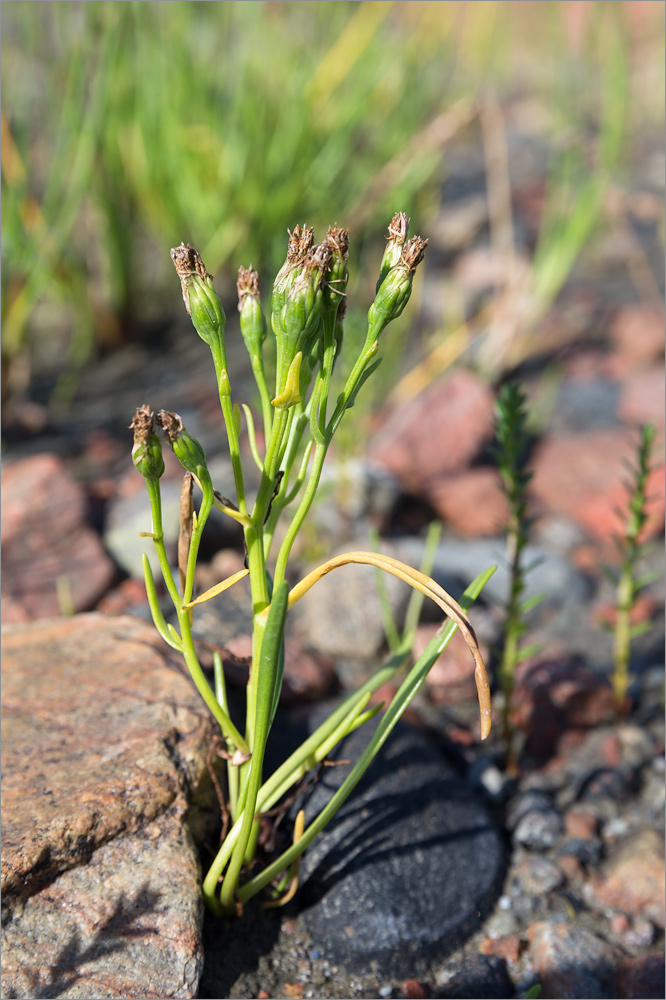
{"points": [[128, 127]]}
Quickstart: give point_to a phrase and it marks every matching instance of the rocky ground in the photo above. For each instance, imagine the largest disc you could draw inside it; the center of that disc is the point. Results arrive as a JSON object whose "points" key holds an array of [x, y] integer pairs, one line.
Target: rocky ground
{"points": [[446, 878]]}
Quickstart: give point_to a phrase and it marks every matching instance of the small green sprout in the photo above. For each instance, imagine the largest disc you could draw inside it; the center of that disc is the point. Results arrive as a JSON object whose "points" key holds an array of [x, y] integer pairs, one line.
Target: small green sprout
{"points": [[511, 454], [300, 416], [628, 583]]}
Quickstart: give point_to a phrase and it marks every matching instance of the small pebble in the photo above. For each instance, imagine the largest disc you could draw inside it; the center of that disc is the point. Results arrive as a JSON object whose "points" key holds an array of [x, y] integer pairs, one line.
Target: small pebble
{"points": [[587, 851], [607, 782], [614, 829], [641, 935], [581, 825], [538, 830], [484, 774], [539, 875]]}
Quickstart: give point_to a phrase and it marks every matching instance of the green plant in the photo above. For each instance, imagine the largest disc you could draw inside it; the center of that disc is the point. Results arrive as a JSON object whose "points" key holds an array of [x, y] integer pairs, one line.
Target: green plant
{"points": [[300, 418], [627, 581], [511, 454]]}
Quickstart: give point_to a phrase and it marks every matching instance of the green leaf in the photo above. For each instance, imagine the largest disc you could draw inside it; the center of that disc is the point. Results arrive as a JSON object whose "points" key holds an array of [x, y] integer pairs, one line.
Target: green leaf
{"points": [[407, 690]]}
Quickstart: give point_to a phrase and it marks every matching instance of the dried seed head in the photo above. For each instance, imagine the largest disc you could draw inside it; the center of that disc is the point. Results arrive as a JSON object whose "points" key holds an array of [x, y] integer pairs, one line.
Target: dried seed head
{"points": [[188, 263], [397, 234], [252, 323], [247, 285], [171, 424], [299, 243], [395, 287], [338, 241], [199, 295], [413, 252], [147, 450], [187, 449]]}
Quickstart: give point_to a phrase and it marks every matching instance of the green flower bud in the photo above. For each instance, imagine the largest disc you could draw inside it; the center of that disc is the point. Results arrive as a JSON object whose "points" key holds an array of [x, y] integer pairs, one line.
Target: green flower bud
{"points": [[396, 288], [396, 241], [200, 298], [252, 322], [337, 241], [147, 449], [297, 307], [187, 449]]}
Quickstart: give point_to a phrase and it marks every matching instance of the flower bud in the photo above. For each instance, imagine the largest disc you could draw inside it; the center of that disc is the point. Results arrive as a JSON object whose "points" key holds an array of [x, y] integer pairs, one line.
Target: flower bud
{"points": [[187, 449], [252, 322], [297, 303], [396, 240], [200, 298], [337, 241], [396, 288], [147, 449]]}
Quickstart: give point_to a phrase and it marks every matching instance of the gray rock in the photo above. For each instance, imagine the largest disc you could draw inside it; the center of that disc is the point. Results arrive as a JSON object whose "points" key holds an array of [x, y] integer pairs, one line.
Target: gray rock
{"points": [[481, 976], [128, 516], [105, 783], [407, 868], [341, 614], [460, 560], [570, 961], [51, 557], [538, 829]]}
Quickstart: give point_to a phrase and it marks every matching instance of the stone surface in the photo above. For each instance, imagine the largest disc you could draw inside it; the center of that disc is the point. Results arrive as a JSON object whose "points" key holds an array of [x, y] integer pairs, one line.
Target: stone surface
{"points": [[634, 878], [554, 696], [470, 503], [458, 561], [104, 775], [341, 615], [584, 475], [481, 976], [127, 924], [642, 399], [438, 432], [637, 333], [50, 556], [570, 961], [408, 866], [640, 978]]}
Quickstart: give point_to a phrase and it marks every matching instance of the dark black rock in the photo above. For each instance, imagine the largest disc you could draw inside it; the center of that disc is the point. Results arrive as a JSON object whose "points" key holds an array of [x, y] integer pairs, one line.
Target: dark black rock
{"points": [[587, 851], [482, 976], [409, 866], [607, 783]]}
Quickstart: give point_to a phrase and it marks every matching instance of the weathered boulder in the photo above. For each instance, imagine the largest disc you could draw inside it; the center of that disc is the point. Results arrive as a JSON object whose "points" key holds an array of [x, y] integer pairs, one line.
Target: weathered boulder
{"points": [[105, 785]]}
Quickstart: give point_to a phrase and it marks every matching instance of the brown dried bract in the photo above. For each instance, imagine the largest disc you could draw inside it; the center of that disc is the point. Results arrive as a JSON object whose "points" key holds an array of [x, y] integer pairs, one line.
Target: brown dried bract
{"points": [[300, 242], [188, 263], [171, 424], [185, 533], [247, 285], [338, 241], [398, 228], [413, 252], [318, 259], [142, 425]]}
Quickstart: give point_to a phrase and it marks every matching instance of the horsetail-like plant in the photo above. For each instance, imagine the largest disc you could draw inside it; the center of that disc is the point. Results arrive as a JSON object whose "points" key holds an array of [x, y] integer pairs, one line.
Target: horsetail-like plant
{"points": [[627, 581], [511, 455], [300, 418]]}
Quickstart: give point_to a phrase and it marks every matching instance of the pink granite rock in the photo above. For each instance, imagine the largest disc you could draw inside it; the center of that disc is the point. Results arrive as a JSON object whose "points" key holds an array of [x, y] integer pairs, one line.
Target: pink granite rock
{"points": [[637, 333], [438, 432], [584, 476], [471, 502], [634, 878], [105, 781], [49, 554]]}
